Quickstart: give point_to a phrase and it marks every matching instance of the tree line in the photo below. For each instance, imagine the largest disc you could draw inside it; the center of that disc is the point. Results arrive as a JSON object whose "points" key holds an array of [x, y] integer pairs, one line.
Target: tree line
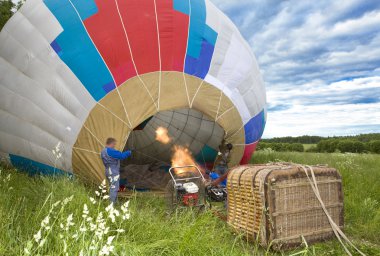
{"points": [[306, 139], [348, 145], [364, 143], [7, 9]]}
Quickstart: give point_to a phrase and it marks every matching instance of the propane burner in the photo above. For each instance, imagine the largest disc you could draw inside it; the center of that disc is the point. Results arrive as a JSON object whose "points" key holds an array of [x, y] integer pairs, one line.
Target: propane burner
{"points": [[186, 189]]}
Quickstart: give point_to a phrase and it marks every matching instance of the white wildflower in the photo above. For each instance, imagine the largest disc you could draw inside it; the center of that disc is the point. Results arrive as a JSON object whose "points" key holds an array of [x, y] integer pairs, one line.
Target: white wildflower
{"points": [[92, 200], [45, 223], [110, 239], [106, 250], [42, 242], [125, 210], [92, 226], [125, 206], [126, 216], [120, 230], [85, 211], [97, 193], [82, 229], [26, 251], [105, 197], [69, 221], [109, 207], [67, 200], [56, 204], [37, 236]]}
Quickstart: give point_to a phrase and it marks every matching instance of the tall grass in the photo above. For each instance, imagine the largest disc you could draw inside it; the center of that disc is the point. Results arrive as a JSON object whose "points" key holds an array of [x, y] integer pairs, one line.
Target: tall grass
{"points": [[25, 202]]}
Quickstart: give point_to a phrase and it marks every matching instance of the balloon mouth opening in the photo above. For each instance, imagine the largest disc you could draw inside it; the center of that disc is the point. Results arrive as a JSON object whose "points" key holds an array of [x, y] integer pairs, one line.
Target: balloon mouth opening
{"points": [[170, 138]]}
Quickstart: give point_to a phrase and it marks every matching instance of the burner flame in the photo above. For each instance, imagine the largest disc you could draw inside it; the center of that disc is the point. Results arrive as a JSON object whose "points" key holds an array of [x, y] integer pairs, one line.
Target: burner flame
{"points": [[162, 135], [182, 157]]}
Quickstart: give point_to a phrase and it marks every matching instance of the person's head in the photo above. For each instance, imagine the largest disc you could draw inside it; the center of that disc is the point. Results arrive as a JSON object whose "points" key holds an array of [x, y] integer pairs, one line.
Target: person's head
{"points": [[229, 146], [111, 143]]}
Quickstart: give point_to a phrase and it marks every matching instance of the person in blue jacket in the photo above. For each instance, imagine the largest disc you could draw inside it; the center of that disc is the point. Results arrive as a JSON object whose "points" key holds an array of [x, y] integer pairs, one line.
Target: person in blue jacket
{"points": [[111, 160]]}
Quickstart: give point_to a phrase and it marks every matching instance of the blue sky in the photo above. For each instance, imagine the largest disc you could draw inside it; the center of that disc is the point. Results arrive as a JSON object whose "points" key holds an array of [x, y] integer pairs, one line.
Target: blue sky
{"points": [[320, 61]]}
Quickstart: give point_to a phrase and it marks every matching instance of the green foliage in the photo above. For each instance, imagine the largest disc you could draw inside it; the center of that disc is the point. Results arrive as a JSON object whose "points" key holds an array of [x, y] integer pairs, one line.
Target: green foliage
{"points": [[310, 148], [301, 139], [281, 147], [351, 146], [316, 139], [374, 146], [363, 143], [348, 146], [6, 7], [296, 147]]}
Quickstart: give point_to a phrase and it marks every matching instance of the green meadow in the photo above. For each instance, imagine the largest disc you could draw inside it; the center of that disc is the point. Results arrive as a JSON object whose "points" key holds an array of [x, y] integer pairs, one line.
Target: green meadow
{"points": [[62, 216]]}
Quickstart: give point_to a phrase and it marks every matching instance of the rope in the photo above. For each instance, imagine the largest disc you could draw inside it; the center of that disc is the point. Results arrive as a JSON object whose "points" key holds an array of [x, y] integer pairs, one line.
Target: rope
{"points": [[196, 93], [184, 59], [220, 101], [131, 53], [337, 231], [225, 112], [88, 34], [86, 150], [159, 57], [128, 125], [93, 135]]}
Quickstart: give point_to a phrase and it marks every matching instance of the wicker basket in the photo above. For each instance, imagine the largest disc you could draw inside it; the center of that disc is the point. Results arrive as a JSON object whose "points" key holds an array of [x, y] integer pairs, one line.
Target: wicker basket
{"points": [[276, 204]]}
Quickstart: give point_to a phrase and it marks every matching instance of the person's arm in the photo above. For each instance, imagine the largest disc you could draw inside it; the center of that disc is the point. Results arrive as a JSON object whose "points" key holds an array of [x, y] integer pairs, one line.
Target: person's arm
{"points": [[117, 154]]}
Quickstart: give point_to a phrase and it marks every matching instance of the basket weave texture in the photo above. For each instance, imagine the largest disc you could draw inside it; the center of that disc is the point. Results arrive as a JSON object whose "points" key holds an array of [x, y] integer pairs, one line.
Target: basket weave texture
{"points": [[275, 203]]}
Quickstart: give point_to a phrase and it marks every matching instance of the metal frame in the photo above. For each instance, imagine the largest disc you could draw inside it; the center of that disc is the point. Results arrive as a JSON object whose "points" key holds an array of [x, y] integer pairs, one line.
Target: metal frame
{"points": [[183, 167]]}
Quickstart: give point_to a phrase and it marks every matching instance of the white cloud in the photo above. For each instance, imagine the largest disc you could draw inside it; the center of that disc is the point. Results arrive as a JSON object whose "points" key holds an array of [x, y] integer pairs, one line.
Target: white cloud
{"points": [[303, 48], [326, 110]]}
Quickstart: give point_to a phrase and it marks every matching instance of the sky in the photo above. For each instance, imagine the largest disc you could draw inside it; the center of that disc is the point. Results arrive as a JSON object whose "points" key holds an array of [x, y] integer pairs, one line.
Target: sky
{"points": [[320, 61]]}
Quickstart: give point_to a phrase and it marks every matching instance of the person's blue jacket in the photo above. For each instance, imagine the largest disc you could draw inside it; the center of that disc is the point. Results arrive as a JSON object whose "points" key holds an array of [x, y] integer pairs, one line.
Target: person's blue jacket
{"points": [[111, 160], [215, 176]]}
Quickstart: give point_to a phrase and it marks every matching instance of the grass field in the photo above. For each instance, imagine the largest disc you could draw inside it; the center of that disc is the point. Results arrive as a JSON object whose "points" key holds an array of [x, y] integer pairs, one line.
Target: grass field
{"points": [[308, 146], [144, 228]]}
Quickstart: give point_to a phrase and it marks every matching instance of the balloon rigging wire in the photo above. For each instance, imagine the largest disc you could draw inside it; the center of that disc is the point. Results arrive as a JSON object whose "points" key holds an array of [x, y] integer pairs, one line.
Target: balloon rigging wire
{"points": [[184, 59], [131, 53], [159, 57], [88, 34]]}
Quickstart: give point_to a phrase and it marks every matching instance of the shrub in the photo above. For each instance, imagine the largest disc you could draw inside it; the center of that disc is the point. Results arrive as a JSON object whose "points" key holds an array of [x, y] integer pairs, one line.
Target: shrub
{"points": [[328, 146], [296, 147], [374, 146]]}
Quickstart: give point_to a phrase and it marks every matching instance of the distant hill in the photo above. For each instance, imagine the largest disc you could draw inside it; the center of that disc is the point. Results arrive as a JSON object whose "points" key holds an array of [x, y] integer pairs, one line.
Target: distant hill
{"points": [[306, 139]]}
